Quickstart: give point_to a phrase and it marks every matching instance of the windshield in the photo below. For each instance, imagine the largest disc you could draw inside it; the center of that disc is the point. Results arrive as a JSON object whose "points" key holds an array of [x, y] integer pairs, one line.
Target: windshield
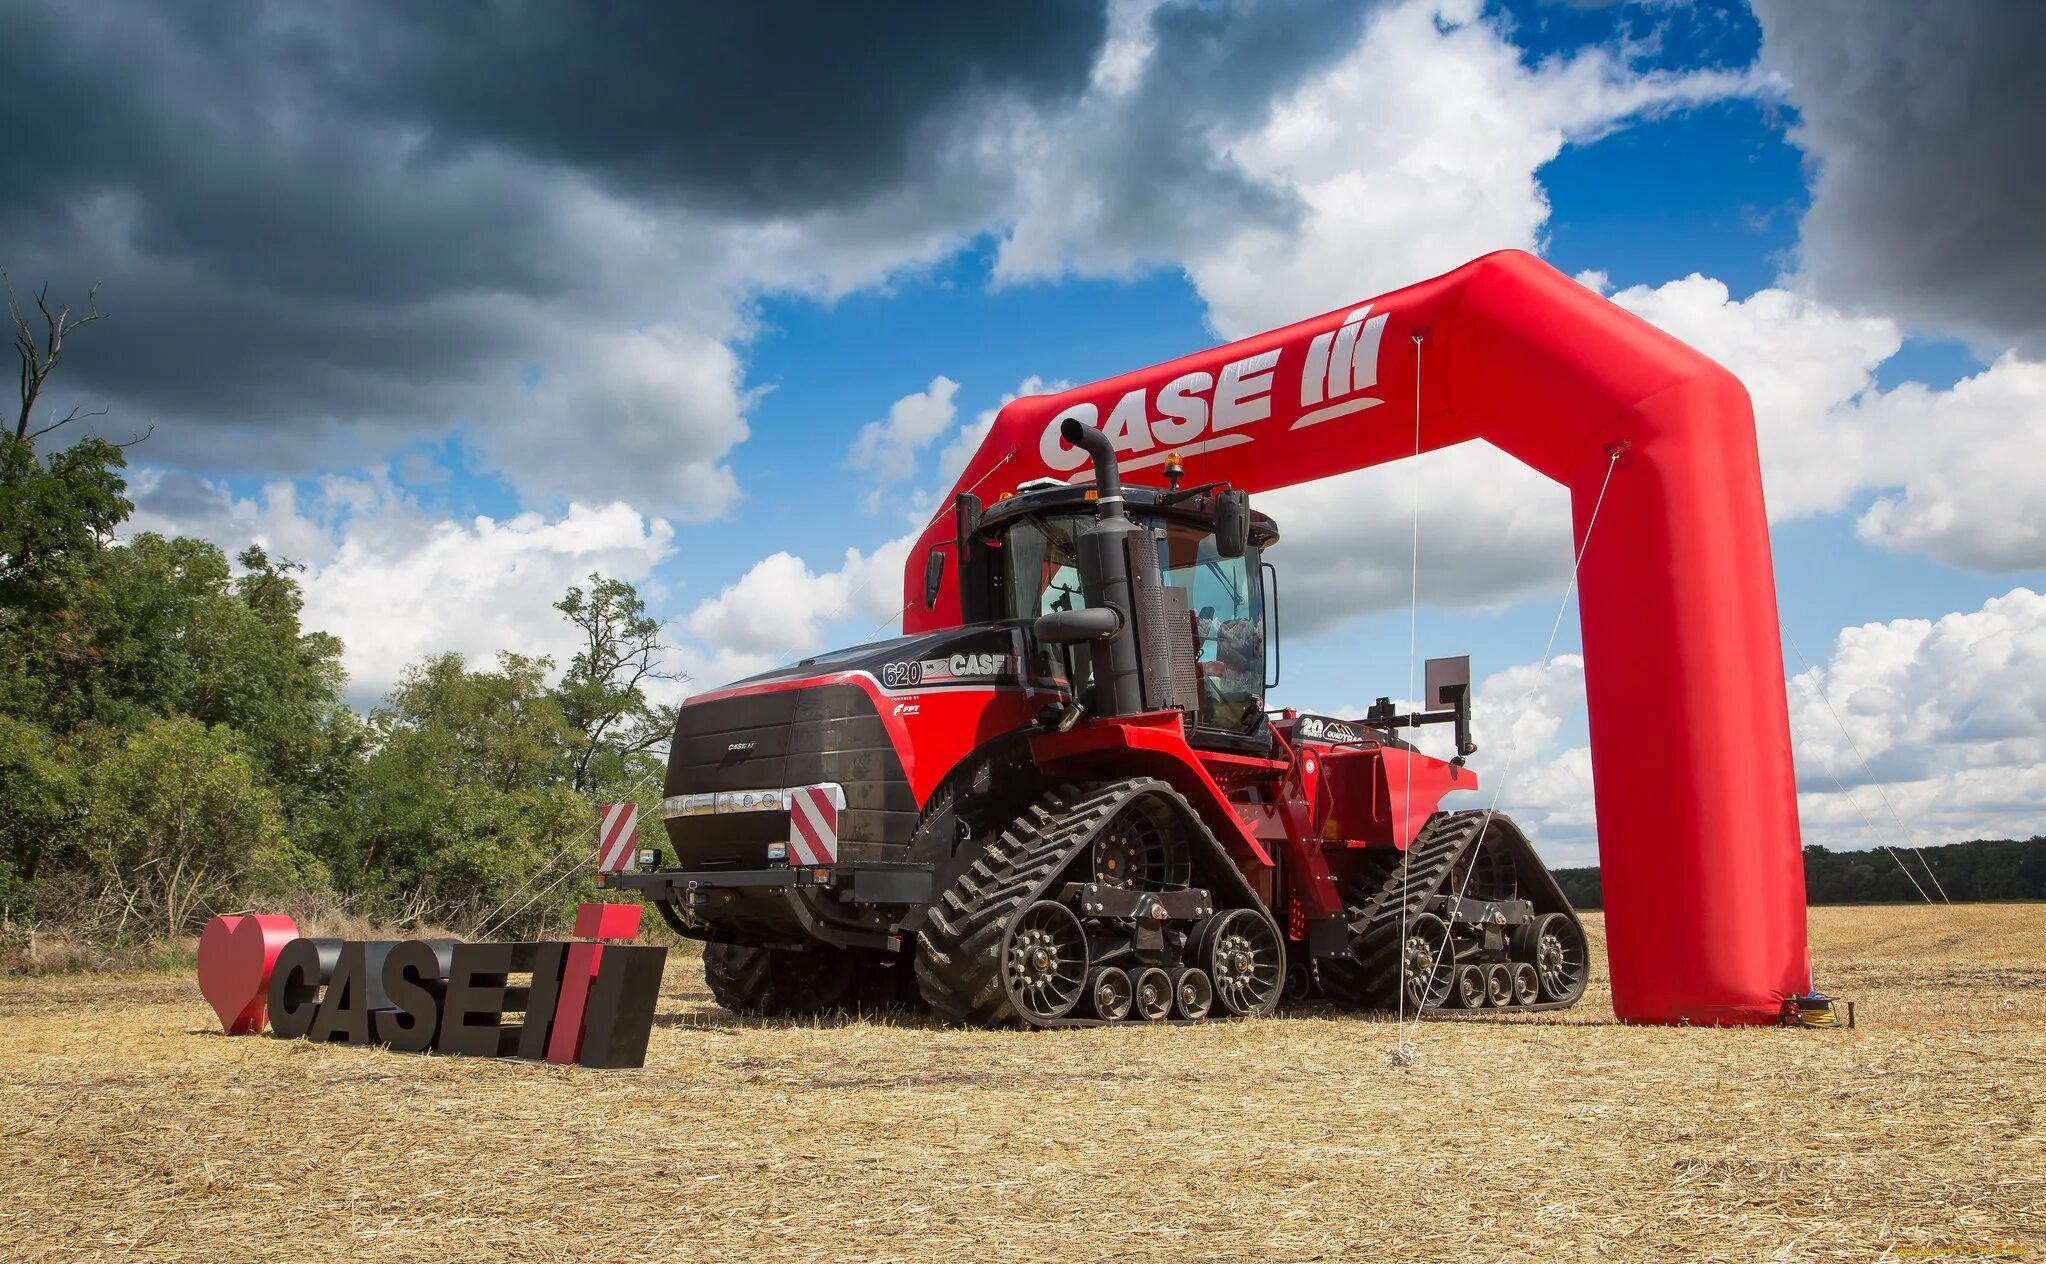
{"points": [[1039, 571], [1226, 605], [1036, 573]]}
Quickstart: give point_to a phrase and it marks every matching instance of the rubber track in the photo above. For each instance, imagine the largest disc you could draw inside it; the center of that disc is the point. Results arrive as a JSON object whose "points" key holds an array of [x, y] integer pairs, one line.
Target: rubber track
{"points": [[958, 962], [758, 982], [773, 982], [1371, 978]]}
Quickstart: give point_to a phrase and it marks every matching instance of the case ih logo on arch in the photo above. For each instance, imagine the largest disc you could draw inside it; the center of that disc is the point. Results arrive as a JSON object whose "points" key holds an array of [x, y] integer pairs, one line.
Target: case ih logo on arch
{"points": [[1204, 412]]}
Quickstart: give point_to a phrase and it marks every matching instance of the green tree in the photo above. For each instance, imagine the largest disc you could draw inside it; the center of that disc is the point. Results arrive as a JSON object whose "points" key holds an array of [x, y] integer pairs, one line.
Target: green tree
{"points": [[602, 695], [55, 516], [500, 729], [162, 627], [40, 806], [465, 793], [55, 513], [179, 827]]}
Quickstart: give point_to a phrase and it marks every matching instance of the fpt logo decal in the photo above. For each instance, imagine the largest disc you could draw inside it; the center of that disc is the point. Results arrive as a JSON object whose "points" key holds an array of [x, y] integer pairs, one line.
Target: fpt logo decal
{"points": [[909, 673], [1205, 412]]}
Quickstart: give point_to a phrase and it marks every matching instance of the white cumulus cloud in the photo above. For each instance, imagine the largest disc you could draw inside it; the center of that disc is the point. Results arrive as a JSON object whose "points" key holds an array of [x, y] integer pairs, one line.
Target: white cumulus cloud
{"points": [[396, 582], [1974, 490], [781, 609], [967, 439], [1911, 733], [888, 449], [1414, 151], [1960, 472]]}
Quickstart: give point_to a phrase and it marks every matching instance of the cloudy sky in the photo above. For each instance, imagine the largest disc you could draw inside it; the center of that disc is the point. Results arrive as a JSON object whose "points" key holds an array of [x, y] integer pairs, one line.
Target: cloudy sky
{"points": [[457, 303]]}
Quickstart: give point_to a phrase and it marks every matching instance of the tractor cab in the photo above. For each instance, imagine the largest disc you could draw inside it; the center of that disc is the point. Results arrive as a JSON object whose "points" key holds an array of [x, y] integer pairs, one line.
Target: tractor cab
{"points": [[1205, 598]]}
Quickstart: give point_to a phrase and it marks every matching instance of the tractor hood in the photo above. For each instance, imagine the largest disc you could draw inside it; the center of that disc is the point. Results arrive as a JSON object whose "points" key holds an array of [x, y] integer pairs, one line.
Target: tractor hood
{"points": [[983, 655], [845, 719]]}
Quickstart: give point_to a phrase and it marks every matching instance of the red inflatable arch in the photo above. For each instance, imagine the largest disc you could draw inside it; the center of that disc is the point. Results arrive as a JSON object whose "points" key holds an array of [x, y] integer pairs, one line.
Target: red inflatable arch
{"points": [[1690, 732]]}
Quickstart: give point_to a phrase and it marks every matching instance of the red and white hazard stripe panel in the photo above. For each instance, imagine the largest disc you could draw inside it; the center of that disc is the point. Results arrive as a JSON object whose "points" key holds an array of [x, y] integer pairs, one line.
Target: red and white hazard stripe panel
{"points": [[813, 824], [617, 832]]}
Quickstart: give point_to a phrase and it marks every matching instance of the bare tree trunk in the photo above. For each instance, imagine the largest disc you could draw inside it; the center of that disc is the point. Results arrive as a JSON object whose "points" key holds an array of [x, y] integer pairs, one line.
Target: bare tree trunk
{"points": [[40, 352]]}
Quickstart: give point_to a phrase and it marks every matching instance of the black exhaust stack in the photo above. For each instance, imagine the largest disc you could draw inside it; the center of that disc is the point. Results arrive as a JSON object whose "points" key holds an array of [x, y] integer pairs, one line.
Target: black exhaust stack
{"points": [[1126, 602]]}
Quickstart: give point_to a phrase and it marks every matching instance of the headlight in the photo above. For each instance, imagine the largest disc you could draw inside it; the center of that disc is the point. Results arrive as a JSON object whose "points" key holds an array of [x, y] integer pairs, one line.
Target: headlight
{"points": [[777, 851], [689, 805], [749, 801], [736, 801]]}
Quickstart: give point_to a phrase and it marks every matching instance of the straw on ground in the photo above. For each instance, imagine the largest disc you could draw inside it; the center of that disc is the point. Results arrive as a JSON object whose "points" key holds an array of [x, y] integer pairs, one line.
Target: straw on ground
{"points": [[126, 1130]]}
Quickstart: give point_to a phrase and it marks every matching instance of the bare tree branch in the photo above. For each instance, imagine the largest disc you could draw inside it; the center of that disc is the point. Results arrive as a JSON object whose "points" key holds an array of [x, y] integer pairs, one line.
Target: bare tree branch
{"points": [[66, 420], [40, 355]]}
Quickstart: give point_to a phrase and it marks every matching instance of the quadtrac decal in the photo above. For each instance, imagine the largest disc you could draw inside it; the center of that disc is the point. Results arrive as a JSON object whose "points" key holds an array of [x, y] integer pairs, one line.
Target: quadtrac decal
{"points": [[1319, 728]]}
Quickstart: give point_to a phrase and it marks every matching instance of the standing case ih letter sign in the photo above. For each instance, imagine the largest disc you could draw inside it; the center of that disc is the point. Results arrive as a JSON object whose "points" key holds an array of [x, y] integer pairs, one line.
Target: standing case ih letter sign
{"points": [[587, 1002]]}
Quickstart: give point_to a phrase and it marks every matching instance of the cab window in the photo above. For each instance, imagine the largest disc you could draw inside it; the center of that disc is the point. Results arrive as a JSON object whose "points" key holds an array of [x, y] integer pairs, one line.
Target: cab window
{"points": [[1035, 570], [1038, 568], [1225, 602]]}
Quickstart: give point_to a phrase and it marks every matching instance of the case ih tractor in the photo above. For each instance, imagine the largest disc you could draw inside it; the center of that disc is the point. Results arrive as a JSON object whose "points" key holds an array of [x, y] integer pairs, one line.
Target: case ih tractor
{"points": [[1072, 807]]}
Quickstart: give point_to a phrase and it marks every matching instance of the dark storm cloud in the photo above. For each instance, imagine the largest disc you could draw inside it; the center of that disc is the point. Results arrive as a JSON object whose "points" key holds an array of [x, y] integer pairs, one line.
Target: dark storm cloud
{"points": [[354, 214], [208, 144], [762, 106], [1220, 67], [1156, 162], [1925, 125]]}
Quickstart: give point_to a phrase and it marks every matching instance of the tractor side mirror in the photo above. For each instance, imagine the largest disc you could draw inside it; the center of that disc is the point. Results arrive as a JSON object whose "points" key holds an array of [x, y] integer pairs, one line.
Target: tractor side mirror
{"points": [[1447, 687], [934, 576], [1232, 522]]}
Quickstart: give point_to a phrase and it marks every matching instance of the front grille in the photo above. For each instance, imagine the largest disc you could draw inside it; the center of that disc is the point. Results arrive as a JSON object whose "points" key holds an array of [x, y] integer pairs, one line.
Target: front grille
{"points": [[787, 737]]}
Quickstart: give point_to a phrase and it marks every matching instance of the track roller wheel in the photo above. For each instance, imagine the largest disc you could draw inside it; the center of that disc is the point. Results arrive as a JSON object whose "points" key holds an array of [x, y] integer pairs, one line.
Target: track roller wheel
{"points": [[1426, 962], [1245, 960], [1555, 946], [1153, 994], [1498, 985], [1300, 987], [1468, 988], [1193, 993], [1044, 962], [1527, 985], [1110, 993], [780, 982]]}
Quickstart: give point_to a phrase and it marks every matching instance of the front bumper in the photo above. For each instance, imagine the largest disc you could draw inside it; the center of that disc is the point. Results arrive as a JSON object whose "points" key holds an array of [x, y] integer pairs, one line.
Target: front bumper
{"points": [[861, 881], [838, 897]]}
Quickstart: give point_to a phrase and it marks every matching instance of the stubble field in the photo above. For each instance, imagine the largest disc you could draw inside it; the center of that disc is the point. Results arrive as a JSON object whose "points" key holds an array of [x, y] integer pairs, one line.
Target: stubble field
{"points": [[129, 1132]]}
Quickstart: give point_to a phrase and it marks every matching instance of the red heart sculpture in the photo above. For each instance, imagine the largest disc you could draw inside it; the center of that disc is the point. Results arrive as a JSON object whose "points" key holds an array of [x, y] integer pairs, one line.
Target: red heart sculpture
{"points": [[235, 956]]}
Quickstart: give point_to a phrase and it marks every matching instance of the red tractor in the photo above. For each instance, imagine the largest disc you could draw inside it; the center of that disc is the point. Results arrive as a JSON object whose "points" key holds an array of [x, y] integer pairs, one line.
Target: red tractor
{"points": [[1072, 808]]}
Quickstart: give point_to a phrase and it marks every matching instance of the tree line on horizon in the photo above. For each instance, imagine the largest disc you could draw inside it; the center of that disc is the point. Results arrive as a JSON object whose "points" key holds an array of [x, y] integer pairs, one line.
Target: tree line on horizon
{"points": [[175, 742], [1984, 869]]}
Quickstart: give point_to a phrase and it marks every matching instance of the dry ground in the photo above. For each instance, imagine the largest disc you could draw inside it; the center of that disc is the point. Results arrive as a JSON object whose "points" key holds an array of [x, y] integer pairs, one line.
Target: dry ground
{"points": [[128, 1131]]}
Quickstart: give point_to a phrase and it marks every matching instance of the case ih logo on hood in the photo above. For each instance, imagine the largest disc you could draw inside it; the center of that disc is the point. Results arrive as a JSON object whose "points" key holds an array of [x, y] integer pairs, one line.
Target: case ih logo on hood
{"points": [[1199, 411], [912, 672]]}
